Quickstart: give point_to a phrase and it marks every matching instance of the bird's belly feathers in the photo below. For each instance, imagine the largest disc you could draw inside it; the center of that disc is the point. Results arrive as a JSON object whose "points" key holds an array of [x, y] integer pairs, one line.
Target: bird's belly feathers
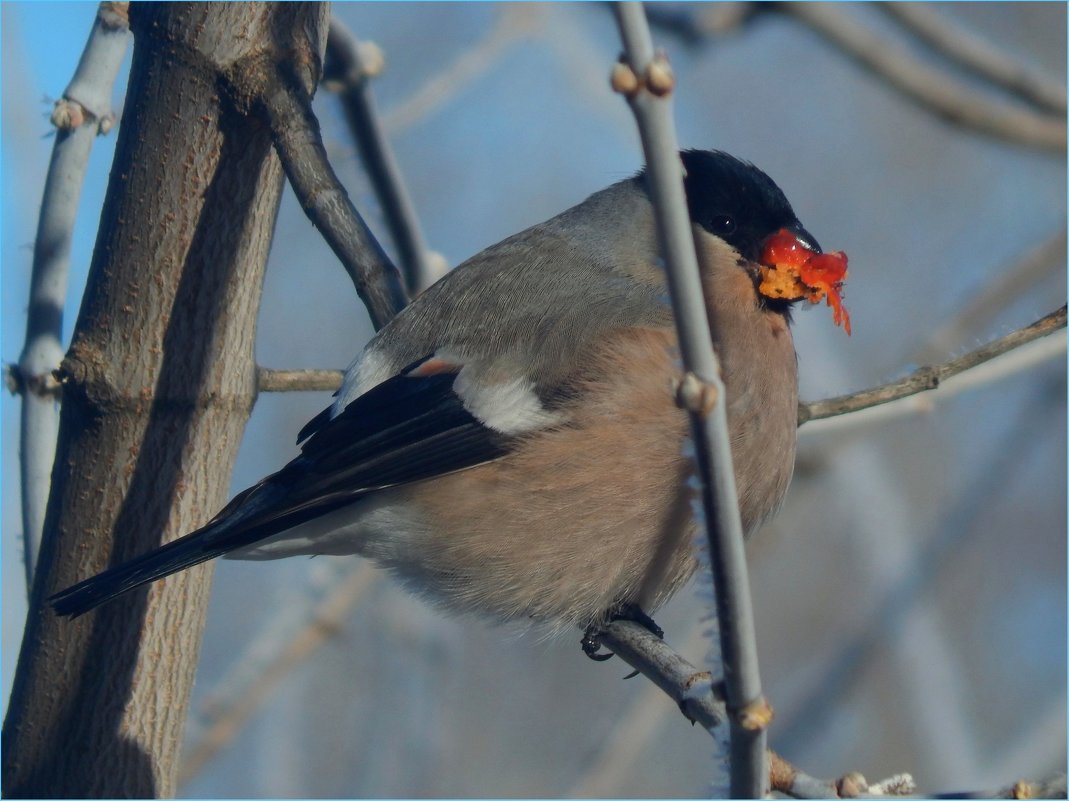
{"points": [[594, 512]]}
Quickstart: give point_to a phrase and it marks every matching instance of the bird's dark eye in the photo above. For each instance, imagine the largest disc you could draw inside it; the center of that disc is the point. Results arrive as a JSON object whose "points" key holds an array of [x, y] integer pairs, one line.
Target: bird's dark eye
{"points": [[722, 225]]}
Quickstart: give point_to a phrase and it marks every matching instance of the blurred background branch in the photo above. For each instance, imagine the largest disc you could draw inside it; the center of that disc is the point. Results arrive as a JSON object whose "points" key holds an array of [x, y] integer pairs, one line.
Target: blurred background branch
{"points": [[931, 88], [979, 55], [512, 23], [292, 638]]}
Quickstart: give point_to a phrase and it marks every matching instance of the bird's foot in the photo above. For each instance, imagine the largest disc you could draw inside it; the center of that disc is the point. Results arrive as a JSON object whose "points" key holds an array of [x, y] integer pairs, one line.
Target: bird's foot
{"points": [[591, 645], [591, 642]]}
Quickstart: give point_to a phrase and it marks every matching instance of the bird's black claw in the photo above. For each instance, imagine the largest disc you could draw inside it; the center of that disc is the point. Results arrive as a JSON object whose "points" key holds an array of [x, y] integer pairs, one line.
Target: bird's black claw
{"points": [[591, 645], [591, 642]]}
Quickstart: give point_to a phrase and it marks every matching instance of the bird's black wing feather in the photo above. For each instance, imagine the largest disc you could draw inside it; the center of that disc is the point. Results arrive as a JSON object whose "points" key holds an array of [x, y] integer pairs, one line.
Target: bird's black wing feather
{"points": [[404, 430], [314, 424]]}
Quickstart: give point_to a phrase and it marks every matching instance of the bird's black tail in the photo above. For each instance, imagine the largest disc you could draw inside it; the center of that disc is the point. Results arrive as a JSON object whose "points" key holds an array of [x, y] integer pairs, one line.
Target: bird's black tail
{"points": [[178, 555], [226, 531], [264, 509]]}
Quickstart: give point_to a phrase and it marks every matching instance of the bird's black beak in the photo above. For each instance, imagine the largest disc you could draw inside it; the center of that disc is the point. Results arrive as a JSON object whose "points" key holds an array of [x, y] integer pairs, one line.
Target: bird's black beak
{"points": [[805, 239]]}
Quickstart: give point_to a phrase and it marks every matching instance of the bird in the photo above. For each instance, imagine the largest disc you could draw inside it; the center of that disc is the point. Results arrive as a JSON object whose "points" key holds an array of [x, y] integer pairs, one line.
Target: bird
{"points": [[510, 444]]}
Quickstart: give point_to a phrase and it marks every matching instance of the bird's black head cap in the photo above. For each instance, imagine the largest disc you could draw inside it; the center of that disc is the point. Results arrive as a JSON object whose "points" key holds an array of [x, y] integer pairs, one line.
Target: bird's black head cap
{"points": [[734, 200]]}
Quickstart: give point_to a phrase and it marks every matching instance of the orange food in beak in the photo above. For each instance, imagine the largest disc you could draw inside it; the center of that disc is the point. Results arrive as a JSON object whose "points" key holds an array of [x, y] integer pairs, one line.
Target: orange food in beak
{"points": [[791, 271]]}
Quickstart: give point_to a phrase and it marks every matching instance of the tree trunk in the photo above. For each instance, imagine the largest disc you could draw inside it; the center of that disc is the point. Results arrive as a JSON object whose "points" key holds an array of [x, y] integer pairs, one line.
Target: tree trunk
{"points": [[159, 382]]}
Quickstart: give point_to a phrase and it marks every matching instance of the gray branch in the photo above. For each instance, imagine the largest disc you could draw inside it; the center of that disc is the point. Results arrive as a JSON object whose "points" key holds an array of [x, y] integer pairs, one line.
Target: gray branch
{"points": [[648, 88], [83, 112], [923, 379], [1025, 357], [307, 380], [350, 65], [929, 377], [685, 684], [299, 143]]}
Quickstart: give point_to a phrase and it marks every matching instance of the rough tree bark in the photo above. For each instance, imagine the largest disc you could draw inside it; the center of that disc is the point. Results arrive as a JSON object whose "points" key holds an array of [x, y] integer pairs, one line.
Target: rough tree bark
{"points": [[158, 384]]}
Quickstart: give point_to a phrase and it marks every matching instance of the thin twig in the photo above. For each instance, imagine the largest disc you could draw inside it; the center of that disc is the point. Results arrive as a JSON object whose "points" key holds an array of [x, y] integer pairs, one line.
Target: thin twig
{"points": [[226, 715], [1051, 787], [348, 71], [982, 57], [927, 378], [648, 96], [83, 112], [295, 131], [847, 406], [932, 89], [689, 687], [605, 772], [795, 783], [1009, 364], [268, 380], [920, 381]]}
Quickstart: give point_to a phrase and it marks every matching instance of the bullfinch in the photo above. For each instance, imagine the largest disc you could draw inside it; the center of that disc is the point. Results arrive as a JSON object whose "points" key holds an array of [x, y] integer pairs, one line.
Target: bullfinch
{"points": [[510, 443]]}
